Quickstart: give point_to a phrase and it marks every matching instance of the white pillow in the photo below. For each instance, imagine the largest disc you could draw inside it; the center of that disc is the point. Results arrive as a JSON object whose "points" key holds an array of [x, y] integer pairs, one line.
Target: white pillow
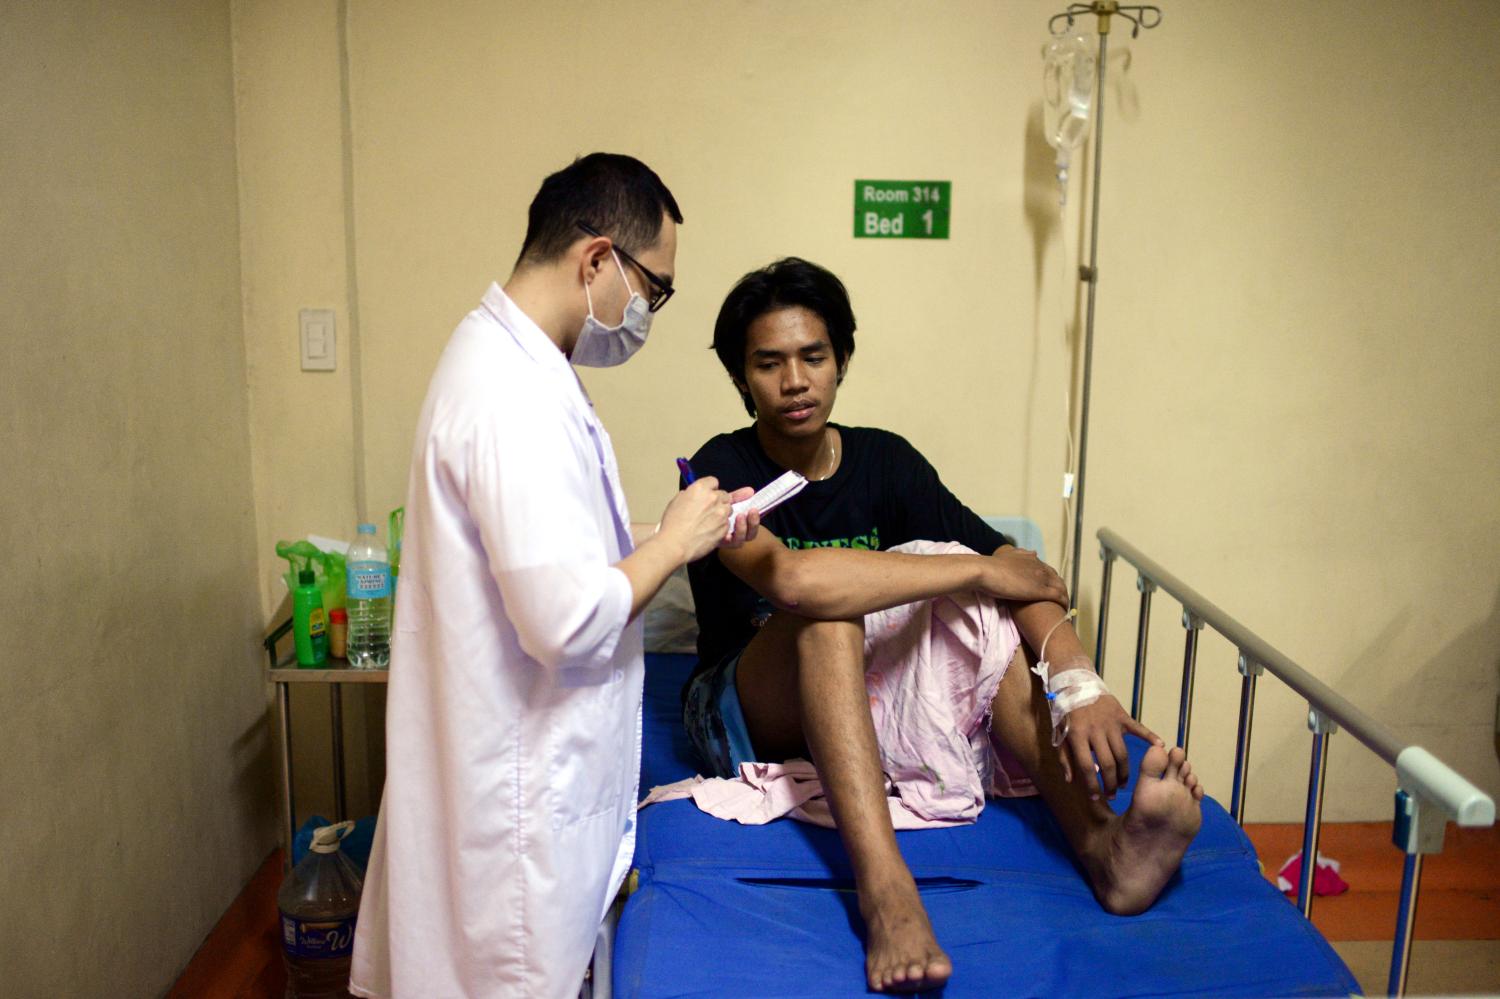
{"points": [[671, 625]]}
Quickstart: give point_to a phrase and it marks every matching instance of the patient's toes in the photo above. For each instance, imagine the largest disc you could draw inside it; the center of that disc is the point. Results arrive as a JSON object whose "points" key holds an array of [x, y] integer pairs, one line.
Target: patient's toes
{"points": [[911, 975], [902, 954], [1154, 763]]}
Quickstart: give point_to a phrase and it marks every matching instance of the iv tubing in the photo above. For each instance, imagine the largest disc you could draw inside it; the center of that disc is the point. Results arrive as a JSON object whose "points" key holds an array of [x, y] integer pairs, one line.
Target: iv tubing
{"points": [[1088, 342]]}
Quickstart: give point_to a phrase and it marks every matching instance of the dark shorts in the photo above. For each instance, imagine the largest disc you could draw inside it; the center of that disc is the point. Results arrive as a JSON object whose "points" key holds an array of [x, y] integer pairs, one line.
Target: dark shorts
{"points": [[715, 725]]}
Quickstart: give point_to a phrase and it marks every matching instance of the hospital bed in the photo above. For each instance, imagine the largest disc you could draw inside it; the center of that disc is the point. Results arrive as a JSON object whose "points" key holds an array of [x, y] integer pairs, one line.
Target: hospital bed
{"points": [[719, 909]]}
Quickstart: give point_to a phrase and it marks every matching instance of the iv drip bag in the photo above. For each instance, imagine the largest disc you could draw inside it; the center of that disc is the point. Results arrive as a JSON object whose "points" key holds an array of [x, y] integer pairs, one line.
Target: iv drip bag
{"points": [[1068, 66], [1067, 92]]}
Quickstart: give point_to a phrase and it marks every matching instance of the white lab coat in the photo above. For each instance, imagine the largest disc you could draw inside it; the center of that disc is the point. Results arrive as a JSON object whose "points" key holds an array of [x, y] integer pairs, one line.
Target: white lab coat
{"points": [[513, 725]]}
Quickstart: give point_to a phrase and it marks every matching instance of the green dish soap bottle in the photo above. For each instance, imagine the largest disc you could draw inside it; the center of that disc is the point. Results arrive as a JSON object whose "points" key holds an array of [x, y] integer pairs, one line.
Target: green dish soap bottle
{"points": [[309, 623]]}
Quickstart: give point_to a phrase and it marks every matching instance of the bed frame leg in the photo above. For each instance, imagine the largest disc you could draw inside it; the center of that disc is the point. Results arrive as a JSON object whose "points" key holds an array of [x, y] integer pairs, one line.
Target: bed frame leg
{"points": [[1418, 830], [1322, 728], [1250, 670], [1194, 624], [1406, 922], [1142, 631], [1102, 627], [598, 980]]}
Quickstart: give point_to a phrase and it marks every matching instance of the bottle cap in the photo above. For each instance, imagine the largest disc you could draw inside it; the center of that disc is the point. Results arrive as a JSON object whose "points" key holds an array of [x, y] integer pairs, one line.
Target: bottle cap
{"points": [[339, 614], [305, 578], [366, 528], [326, 838]]}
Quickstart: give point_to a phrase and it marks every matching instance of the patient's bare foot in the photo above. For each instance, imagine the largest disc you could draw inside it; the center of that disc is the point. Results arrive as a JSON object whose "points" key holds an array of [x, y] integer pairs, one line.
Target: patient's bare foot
{"points": [[901, 954], [1143, 848]]}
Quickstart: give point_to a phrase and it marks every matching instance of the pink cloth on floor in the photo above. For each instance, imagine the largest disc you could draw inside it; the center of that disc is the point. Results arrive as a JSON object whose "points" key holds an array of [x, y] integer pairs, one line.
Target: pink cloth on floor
{"points": [[1326, 879], [931, 670]]}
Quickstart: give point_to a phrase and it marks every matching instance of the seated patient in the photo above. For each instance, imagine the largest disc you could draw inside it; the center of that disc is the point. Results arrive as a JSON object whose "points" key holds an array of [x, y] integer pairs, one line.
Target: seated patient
{"points": [[781, 670]]}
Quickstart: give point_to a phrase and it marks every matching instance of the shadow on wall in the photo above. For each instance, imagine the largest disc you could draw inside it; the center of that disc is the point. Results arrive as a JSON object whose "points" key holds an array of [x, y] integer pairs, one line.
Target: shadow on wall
{"points": [[1292, 752], [1436, 697], [1039, 197], [256, 767], [1117, 76], [1448, 691], [1039, 205]]}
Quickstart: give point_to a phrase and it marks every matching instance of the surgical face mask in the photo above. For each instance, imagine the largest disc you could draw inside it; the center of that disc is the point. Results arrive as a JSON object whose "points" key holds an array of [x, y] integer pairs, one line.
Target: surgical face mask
{"points": [[601, 346]]}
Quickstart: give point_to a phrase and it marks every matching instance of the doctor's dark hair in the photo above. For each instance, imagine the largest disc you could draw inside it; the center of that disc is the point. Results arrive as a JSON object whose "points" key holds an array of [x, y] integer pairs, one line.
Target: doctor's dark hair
{"points": [[788, 282], [618, 195]]}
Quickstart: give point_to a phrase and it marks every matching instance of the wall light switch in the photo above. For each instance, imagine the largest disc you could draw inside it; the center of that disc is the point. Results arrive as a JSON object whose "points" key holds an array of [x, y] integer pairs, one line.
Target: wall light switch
{"points": [[317, 339]]}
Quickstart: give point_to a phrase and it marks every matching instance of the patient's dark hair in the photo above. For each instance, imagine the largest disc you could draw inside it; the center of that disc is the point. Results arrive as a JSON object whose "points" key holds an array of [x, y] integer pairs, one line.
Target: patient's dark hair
{"points": [[618, 195], [788, 282]]}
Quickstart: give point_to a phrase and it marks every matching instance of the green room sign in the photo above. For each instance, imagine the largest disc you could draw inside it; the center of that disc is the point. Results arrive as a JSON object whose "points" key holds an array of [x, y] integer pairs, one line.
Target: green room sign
{"points": [[902, 209]]}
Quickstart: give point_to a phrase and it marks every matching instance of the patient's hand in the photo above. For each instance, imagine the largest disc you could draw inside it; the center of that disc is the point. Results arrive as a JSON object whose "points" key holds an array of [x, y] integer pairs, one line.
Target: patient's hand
{"points": [[1097, 732], [1017, 574], [745, 528]]}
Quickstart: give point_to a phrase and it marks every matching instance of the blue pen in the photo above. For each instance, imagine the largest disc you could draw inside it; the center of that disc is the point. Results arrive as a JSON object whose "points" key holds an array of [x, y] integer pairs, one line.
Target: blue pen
{"points": [[686, 470]]}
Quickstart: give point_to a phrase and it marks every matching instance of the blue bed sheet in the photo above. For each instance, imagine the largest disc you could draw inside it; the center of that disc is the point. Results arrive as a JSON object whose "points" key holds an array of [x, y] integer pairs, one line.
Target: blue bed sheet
{"points": [[730, 910]]}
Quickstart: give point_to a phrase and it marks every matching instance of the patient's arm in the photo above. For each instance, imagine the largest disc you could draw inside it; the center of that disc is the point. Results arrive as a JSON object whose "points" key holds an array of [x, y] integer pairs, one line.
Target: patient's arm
{"points": [[1095, 731], [841, 583]]}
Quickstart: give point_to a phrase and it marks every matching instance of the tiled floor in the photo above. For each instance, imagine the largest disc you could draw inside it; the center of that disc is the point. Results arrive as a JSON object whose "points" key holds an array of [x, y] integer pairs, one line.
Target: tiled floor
{"points": [[1458, 921], [1457, 949], [1438, 967], [1460, 897]]}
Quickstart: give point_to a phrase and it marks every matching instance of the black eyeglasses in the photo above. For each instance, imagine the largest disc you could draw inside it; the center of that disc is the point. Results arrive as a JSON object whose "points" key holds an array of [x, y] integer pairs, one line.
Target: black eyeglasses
{"points": [[660, 290]]}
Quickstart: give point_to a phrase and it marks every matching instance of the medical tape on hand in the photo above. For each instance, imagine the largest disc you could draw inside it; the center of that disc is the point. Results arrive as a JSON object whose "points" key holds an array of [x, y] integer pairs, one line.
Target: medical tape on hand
{"points": [[1070, 688], [1067, 692]]}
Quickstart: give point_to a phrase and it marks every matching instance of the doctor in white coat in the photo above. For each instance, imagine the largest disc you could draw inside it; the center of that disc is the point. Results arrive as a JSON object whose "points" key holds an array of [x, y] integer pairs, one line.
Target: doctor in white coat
{"points": [[513, 731]]}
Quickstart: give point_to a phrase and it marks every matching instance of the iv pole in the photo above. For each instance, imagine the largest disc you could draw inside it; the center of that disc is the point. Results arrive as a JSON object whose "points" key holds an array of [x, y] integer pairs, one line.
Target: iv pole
{"points": [[1139, 17]]}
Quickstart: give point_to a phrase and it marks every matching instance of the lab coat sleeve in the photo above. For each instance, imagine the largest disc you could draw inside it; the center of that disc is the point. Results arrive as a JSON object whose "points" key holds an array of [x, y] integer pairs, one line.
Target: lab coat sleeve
{"points": [[534, 494]]}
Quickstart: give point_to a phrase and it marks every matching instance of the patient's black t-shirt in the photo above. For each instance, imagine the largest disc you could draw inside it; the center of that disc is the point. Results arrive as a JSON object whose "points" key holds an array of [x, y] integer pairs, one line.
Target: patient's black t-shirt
{"points": [[883, 494]]}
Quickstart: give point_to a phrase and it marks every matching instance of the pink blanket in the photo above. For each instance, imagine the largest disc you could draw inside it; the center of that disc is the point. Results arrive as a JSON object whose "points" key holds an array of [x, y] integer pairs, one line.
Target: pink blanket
{"points": [[931, 671]]}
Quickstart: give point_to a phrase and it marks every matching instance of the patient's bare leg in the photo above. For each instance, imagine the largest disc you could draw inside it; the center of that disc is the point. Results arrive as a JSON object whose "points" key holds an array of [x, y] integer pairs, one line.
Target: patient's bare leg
{"points": [[801, 686], [1129, 858]]}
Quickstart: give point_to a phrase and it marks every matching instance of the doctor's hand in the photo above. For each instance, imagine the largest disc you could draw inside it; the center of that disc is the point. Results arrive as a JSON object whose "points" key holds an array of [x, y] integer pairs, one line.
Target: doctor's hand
{"points": [[1017, 574], [697, 519]]}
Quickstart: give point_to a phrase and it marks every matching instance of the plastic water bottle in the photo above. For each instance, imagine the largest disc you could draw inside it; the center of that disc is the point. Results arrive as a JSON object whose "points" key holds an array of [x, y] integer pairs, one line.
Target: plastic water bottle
{"points": [[319, 902], [368, 571]]}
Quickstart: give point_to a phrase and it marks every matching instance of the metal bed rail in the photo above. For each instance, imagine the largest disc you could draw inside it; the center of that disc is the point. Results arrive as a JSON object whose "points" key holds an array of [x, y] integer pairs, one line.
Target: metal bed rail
{"points": [[1428, 791]]}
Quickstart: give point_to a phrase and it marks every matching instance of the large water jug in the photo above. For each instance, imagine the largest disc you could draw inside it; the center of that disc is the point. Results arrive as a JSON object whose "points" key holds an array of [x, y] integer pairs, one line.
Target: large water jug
{"points": [[319, 901]]}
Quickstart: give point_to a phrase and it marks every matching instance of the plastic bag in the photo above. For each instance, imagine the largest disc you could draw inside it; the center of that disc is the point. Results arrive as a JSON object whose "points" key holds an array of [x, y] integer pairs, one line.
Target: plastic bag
{"points": [[394, 530], [327, 567]]}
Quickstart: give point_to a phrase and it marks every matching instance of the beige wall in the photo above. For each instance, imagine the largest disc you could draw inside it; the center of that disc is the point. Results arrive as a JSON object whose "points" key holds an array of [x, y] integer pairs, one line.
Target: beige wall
{"points": [[1298, 358], [295, 237], [1293, 396], [135, 761]]}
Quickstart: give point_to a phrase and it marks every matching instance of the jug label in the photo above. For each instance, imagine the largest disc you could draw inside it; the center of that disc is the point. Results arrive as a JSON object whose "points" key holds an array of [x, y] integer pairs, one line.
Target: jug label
{"points": [[317, 938]]}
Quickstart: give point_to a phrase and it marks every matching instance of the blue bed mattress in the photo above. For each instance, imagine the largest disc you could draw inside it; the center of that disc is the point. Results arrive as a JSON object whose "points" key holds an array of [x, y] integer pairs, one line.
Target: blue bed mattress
{"points": [[730, 910]]}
